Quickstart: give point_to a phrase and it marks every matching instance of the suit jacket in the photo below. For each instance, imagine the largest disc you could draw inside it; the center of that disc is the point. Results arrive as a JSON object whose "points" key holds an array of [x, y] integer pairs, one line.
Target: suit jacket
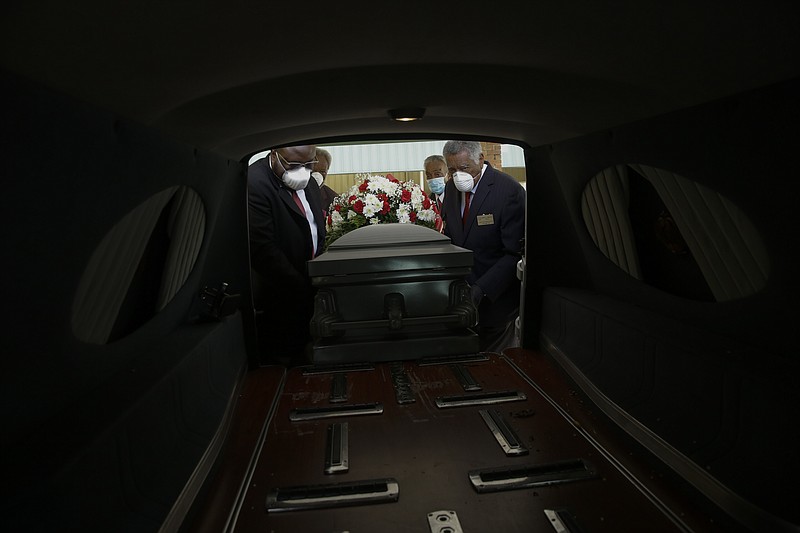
{"points": [[328, 195], [493, 231], [435, 200], [280, 246]]}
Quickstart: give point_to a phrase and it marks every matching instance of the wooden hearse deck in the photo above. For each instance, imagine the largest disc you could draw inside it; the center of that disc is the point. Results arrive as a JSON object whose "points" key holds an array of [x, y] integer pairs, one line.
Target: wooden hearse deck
{"points": [[416, 455]]}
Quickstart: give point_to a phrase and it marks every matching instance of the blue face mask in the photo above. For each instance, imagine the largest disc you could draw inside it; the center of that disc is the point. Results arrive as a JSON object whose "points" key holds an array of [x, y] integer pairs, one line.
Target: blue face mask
{"points": [[436, 185]]}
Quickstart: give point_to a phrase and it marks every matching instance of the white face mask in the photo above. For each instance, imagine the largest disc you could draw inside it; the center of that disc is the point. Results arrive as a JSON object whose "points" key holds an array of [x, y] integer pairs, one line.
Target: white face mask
{"points": [[317, 177], [296, 179], [464, 182]]}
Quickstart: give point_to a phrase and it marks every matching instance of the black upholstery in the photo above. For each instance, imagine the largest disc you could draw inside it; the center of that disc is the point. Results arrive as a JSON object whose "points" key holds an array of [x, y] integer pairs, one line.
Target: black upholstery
{"points": [[707, 396], [106, 436]]}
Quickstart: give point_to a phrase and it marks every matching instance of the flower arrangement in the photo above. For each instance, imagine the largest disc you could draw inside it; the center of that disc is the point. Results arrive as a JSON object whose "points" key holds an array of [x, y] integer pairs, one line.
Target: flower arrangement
{"points": [[380, 200]]}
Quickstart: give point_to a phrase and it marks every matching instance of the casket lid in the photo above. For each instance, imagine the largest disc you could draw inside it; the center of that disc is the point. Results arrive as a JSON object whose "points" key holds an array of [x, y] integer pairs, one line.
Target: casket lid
{"points": [[389, 247]]}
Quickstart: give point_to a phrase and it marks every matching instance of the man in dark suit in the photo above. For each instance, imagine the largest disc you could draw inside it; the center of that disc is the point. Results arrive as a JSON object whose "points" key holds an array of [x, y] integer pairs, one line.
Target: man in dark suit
{"points": [[484, 211], [436, 177], [287, 228], [320, 174]]}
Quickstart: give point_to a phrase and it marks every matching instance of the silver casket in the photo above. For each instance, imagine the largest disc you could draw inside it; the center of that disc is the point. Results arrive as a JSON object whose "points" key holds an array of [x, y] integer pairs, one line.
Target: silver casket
{"points": [[391, 292]]}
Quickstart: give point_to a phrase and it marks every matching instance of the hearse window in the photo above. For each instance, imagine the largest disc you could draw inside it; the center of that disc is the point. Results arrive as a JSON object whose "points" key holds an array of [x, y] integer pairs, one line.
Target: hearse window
{"points": [[361, 176], [404, 160], [139, 266], [674, 234]]}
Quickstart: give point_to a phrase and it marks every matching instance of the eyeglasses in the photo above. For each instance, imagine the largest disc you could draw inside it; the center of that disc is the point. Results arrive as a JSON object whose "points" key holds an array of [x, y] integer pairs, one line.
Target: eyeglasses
{"points": [[294, 165]]}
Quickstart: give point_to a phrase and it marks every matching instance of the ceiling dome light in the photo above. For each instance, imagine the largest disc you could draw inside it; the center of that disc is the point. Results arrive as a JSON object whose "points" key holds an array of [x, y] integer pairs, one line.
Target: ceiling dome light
{"points": [[406, 114]]}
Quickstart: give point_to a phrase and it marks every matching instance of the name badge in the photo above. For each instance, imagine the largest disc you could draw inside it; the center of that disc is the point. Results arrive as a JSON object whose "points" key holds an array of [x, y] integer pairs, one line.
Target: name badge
{"points": [[486, 220]]}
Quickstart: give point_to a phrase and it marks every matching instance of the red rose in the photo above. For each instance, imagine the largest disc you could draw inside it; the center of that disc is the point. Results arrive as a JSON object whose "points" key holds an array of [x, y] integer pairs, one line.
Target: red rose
{"points": [[358, 207], [363, 186], [386, 207], [412, 216], [351, 200], [337, 207], [405, 196], [392, 178]]}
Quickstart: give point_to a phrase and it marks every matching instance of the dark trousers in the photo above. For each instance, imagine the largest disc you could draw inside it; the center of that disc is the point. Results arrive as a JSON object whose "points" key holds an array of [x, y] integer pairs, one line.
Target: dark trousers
{"points": [[496, 339]]}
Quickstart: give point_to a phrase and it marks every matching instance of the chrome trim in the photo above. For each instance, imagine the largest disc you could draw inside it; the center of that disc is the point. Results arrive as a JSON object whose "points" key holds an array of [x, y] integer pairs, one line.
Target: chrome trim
{"points": [[450, 359], [464, 376], [337, 452], [402, 384], [336, 367], [301, 497], [503, 433], [480, 398], [532, 475], [338, 388], [444, 522], [556, 522], [230, 524], [316, 413]]}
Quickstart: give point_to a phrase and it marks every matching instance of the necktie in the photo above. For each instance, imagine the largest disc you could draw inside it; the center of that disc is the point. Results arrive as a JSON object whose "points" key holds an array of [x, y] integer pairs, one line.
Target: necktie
{"points": [[298, 202], [302, 210], [466, 208]]}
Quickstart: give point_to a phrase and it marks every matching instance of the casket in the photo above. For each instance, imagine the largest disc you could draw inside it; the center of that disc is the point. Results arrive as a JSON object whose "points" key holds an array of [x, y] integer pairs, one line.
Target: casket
{"points": [[390, 292]]}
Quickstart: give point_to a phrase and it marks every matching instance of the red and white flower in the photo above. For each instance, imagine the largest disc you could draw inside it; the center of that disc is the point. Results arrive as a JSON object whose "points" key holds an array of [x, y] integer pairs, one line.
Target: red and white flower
{"points": [[380, 200]]}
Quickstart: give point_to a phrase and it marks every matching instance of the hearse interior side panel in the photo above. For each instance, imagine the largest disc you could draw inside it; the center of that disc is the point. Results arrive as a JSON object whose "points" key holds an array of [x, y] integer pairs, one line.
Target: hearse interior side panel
{"points": [[698, 369], [114, 386]]}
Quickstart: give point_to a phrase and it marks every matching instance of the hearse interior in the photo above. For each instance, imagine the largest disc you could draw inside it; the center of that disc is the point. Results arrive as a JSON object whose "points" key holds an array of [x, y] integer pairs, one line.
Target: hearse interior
{"points": [[655, 387]]}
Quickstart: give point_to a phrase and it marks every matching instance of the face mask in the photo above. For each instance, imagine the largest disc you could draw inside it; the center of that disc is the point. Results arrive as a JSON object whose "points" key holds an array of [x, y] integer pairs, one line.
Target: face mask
{"points": [[436, 185], [296, 179], [464, 182], [317, 177]]}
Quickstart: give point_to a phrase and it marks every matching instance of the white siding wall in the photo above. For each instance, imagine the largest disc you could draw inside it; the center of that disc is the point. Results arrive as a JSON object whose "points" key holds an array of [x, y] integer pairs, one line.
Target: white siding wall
{"points": [[388, 157]]}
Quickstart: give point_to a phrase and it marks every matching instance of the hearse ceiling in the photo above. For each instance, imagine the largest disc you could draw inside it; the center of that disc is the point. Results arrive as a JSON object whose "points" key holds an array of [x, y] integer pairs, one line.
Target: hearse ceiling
{"points": [[238, 77]]}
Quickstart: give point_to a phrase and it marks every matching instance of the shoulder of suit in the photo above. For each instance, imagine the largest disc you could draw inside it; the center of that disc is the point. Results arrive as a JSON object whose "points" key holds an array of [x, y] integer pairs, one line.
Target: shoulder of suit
{"points": [[259, 170], [500, 175], [312, 184]]}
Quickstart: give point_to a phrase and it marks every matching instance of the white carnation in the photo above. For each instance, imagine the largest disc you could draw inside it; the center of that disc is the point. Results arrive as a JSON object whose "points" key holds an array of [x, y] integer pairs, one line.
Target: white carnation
{"points": [[377, 184], [417, 197], [372, 205], [336, 219], [382, 184], [426, 215], [403, 214]]}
